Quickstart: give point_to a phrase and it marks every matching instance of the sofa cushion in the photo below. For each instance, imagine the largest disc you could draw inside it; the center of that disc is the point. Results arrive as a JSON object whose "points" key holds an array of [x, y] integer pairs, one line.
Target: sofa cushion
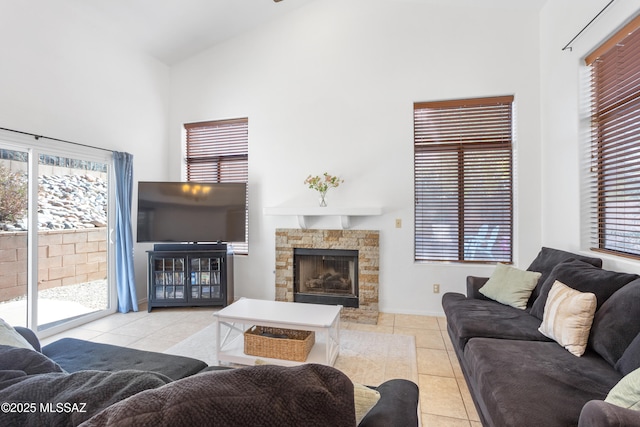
{"points": [[568, 316], [583, 277], [532, 384], [511, 286], [547, 259], [626, 393], [630, 359], [470, 317], [612, 332], [76, 355]]}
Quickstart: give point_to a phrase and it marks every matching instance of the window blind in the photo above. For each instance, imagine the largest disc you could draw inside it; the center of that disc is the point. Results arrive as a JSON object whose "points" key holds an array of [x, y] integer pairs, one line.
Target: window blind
{"points": [[463, 180], [218, 151], [615, 143]]}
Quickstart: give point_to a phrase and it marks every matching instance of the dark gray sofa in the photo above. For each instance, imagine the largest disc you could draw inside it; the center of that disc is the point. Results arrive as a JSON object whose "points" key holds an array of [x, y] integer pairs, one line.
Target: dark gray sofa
{"points": [[124, 380], [519, 377]]}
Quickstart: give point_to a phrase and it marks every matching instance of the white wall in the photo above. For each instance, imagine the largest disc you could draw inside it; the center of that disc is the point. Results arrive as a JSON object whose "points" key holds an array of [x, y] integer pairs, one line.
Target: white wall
{"points": [[563, 118], [334, 76], [331, 88], [64, 74]]}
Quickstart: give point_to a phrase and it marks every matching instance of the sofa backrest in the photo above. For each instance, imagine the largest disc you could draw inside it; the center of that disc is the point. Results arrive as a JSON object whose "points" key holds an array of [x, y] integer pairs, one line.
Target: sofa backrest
{"points": [[583, 277], [30, 336], [630, 360], [616, 325], [547, 259]]}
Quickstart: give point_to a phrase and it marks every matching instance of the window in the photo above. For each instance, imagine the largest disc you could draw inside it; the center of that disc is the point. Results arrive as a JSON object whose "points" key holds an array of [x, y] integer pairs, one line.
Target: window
{"points": [[463, 180], [218, 151], [615, 143]]}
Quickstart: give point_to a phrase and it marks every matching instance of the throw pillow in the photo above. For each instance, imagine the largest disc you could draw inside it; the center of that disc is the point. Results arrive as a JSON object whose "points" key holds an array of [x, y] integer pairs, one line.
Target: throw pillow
{"points": [[568, 316], [9, 336], [511, 286], [626, 393], [583, 277], [365, 398]]}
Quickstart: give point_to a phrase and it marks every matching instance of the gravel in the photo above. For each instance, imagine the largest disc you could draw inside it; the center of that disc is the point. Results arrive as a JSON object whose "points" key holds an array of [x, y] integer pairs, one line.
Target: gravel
{"points": [[91, 294]]}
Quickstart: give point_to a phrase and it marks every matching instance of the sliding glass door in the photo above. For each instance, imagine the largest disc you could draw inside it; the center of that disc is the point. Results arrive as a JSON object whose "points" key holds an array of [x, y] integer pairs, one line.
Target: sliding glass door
{"points": [[72, 238], [14, 248], [57, 242]]}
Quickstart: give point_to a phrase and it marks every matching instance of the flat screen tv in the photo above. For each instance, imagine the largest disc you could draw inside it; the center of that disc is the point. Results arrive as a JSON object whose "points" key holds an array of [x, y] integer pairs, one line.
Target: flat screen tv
{"points": [[191, 212]]}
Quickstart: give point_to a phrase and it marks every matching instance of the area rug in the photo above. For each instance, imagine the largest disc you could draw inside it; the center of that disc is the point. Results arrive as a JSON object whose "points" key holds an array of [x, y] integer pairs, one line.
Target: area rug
{"points": [[365, 357]]}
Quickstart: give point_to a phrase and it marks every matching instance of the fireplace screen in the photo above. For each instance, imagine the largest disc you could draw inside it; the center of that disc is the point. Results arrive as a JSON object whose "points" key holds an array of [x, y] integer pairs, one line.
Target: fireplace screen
{"points": [[326, 276]]}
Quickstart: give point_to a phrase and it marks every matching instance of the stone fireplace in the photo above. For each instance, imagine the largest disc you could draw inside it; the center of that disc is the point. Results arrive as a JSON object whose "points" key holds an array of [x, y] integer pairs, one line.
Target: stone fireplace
{"points": [[326, 276], [337, 280]]}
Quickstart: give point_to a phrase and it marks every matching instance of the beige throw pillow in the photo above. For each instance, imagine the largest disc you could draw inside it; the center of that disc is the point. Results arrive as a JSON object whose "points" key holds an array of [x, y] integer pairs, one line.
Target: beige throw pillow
{"points": [[365, 399], [510, 285], [9, 336], [626, 393], [568, 315]]}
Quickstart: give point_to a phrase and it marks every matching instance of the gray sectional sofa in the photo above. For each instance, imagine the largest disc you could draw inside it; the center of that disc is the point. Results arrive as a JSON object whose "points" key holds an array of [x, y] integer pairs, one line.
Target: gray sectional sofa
{"points": [[77, 382], [519, 377]]}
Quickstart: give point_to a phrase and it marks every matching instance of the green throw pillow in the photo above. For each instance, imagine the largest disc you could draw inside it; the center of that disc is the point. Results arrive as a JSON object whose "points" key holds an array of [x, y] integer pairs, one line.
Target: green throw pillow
{"points": [[511, 286], [626, 393], [9, 336]]}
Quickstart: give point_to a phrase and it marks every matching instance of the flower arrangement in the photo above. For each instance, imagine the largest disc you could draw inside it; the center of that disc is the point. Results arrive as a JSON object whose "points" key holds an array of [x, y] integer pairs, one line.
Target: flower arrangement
{"points": [[322, 184]]}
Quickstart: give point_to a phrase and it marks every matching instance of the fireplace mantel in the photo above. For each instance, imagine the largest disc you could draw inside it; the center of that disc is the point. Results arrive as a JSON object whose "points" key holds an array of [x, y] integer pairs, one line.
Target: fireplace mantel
{"points": [[302, 212]]}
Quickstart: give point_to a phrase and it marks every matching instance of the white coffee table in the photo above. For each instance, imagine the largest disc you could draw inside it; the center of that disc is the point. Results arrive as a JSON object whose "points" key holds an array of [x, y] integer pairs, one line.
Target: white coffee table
{"points": [[236, 318]]}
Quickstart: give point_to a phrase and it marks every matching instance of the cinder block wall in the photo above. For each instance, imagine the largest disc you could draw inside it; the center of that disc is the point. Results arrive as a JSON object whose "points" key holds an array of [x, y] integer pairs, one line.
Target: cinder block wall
{"points": [[65, 257]]}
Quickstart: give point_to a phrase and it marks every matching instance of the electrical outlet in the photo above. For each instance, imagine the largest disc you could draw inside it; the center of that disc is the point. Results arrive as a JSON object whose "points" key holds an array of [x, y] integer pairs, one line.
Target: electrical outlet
{"points": [[436, 288], [398, 223]]}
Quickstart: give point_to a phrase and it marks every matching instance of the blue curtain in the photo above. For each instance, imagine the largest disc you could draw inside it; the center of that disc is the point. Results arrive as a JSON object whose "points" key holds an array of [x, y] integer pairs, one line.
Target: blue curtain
{"points": [[125, 275]]}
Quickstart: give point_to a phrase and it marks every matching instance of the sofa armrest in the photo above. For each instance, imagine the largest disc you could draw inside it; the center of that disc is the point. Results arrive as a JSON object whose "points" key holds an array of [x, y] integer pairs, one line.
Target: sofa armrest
{"points": [[473, 286], [598, 413], [397, 407], [30, 336]]}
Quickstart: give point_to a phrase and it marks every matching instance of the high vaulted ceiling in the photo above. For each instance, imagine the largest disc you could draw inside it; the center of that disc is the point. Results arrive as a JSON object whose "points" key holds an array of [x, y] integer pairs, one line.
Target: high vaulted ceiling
{"points": [[173, 30]]}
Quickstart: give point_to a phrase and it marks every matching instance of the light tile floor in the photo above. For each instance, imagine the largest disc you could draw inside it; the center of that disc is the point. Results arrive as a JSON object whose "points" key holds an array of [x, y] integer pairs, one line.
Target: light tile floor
{"points": [[444, 398]]}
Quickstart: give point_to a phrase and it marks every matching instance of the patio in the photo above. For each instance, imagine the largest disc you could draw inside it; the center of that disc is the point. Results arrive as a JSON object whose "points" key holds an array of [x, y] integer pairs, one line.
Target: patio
{"points": [[59, 303]]}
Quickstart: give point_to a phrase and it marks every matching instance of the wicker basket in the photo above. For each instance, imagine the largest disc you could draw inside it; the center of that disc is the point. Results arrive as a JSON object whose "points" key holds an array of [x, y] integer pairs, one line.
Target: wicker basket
{"points": [[289, 344]]}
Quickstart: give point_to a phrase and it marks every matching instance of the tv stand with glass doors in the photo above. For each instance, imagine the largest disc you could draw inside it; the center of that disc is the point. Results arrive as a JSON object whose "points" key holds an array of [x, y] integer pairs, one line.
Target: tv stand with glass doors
{"points": [[189, 275]]}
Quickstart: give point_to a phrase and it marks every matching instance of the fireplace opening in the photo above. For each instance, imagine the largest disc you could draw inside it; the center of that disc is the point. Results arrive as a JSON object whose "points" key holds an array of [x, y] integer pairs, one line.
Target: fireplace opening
{"points": [[326, 276]]}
